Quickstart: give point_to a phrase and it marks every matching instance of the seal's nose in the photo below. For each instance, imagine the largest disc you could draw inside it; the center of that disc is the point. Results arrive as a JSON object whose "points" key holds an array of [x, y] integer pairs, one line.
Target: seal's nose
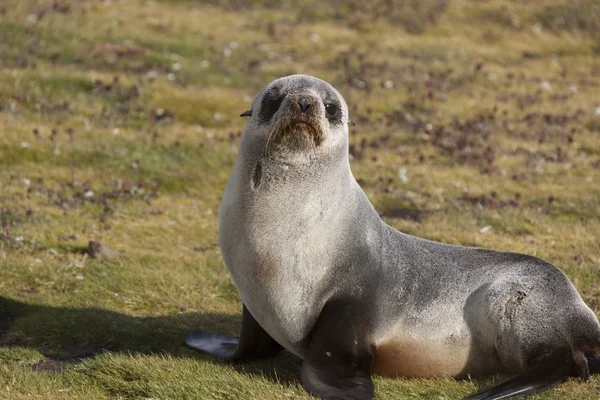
{"points": [[304, 102]]}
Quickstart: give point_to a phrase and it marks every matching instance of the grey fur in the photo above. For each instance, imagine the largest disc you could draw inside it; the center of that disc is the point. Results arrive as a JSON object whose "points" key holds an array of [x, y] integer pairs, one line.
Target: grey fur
{"points": [[296, 230]]}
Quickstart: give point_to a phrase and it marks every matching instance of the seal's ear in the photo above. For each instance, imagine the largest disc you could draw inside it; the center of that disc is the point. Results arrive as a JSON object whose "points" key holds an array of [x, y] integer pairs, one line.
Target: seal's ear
{"points": [[246, 113], [351, 123]]}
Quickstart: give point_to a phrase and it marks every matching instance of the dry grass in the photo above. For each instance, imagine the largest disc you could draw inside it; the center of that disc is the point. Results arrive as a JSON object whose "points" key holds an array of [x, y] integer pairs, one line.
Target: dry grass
{"points": [[118, 123]]}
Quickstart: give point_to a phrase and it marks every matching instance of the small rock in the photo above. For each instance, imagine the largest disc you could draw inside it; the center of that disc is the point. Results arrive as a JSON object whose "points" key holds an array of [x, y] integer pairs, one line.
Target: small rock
{"points": [[99, 251]]}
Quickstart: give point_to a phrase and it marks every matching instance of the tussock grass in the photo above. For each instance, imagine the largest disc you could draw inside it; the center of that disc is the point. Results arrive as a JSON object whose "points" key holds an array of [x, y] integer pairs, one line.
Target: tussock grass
{"points": [[119, 124]]}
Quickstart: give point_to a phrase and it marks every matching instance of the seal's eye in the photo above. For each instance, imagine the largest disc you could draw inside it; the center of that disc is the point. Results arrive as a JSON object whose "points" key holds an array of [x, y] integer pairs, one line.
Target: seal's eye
{"points": [[333, 113], [331, 109], [269, 105]]}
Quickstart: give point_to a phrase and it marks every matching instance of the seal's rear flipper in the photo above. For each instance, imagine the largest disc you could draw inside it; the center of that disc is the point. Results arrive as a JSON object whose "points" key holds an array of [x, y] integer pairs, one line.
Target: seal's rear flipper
{"points": [[337, 364], [535, 381], [254, 342]]}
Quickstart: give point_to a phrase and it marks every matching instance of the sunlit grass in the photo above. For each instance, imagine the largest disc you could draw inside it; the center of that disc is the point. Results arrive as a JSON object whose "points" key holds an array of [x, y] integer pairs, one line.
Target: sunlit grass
{"points": [[119, 124]]}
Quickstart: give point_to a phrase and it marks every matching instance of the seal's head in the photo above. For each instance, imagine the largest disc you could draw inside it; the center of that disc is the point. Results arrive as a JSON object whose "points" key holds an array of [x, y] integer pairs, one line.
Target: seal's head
{"points": [[298, 114]]}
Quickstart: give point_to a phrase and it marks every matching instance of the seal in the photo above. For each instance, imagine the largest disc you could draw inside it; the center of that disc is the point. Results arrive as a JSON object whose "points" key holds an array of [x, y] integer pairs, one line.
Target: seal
{"points": [[321, 275]]}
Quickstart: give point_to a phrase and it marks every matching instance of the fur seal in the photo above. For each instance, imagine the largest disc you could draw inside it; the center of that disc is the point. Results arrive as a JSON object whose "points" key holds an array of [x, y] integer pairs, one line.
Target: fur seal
{"points": [[321, 275]]}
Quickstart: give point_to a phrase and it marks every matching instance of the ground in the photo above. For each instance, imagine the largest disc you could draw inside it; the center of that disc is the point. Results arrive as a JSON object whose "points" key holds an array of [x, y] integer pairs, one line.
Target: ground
{"points": [[477, 123]]}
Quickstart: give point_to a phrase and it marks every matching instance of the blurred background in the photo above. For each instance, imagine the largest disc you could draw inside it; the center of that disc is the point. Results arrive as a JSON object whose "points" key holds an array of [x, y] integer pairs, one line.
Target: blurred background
{"points": [[477, 123]]}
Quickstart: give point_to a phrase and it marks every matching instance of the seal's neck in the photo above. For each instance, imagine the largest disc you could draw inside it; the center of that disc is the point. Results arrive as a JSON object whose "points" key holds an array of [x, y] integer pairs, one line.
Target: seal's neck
{"points": [[289, 175], [291, 171]]}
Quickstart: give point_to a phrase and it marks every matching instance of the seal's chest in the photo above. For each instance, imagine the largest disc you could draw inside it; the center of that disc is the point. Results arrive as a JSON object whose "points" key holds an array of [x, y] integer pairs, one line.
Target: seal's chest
{"points": [[282, 283], [277, 250], [289, 242], [288, 312]]}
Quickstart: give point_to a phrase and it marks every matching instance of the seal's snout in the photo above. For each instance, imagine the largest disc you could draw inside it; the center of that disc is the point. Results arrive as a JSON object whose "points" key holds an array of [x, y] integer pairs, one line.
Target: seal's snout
{"points": [[304, 102], [295, 115]]}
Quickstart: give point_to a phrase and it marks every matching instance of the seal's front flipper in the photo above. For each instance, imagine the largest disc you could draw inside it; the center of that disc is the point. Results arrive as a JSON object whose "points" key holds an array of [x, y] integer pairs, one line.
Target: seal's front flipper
{"points": [[215, 344], [254, 342], [593, 362], [534, 381], [338, 362]]}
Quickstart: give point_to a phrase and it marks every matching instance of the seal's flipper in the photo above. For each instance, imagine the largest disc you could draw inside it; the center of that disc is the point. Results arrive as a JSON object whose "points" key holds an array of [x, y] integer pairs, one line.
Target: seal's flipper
{"points": [[254, 342], [338, 362], [594, 362], [534, 381], [330, 385], [215, 344]]}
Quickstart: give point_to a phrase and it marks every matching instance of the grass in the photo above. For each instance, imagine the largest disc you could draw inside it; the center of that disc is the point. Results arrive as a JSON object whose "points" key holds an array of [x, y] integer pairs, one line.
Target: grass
{"points": [[118, 124]]}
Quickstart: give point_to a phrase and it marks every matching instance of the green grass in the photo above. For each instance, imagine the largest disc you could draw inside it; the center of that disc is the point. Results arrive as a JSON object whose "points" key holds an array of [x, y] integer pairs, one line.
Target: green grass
{"points": [[109, 132]]}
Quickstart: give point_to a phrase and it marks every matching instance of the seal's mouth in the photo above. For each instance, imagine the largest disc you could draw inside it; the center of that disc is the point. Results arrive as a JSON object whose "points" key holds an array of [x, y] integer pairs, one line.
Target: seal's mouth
{"points": [[305, 130], [296, 132], [302, 125]]}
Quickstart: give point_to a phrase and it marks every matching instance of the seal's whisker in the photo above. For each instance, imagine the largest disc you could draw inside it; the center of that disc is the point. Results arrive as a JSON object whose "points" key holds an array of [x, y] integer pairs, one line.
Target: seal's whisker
{"points": [[271, 133]]}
